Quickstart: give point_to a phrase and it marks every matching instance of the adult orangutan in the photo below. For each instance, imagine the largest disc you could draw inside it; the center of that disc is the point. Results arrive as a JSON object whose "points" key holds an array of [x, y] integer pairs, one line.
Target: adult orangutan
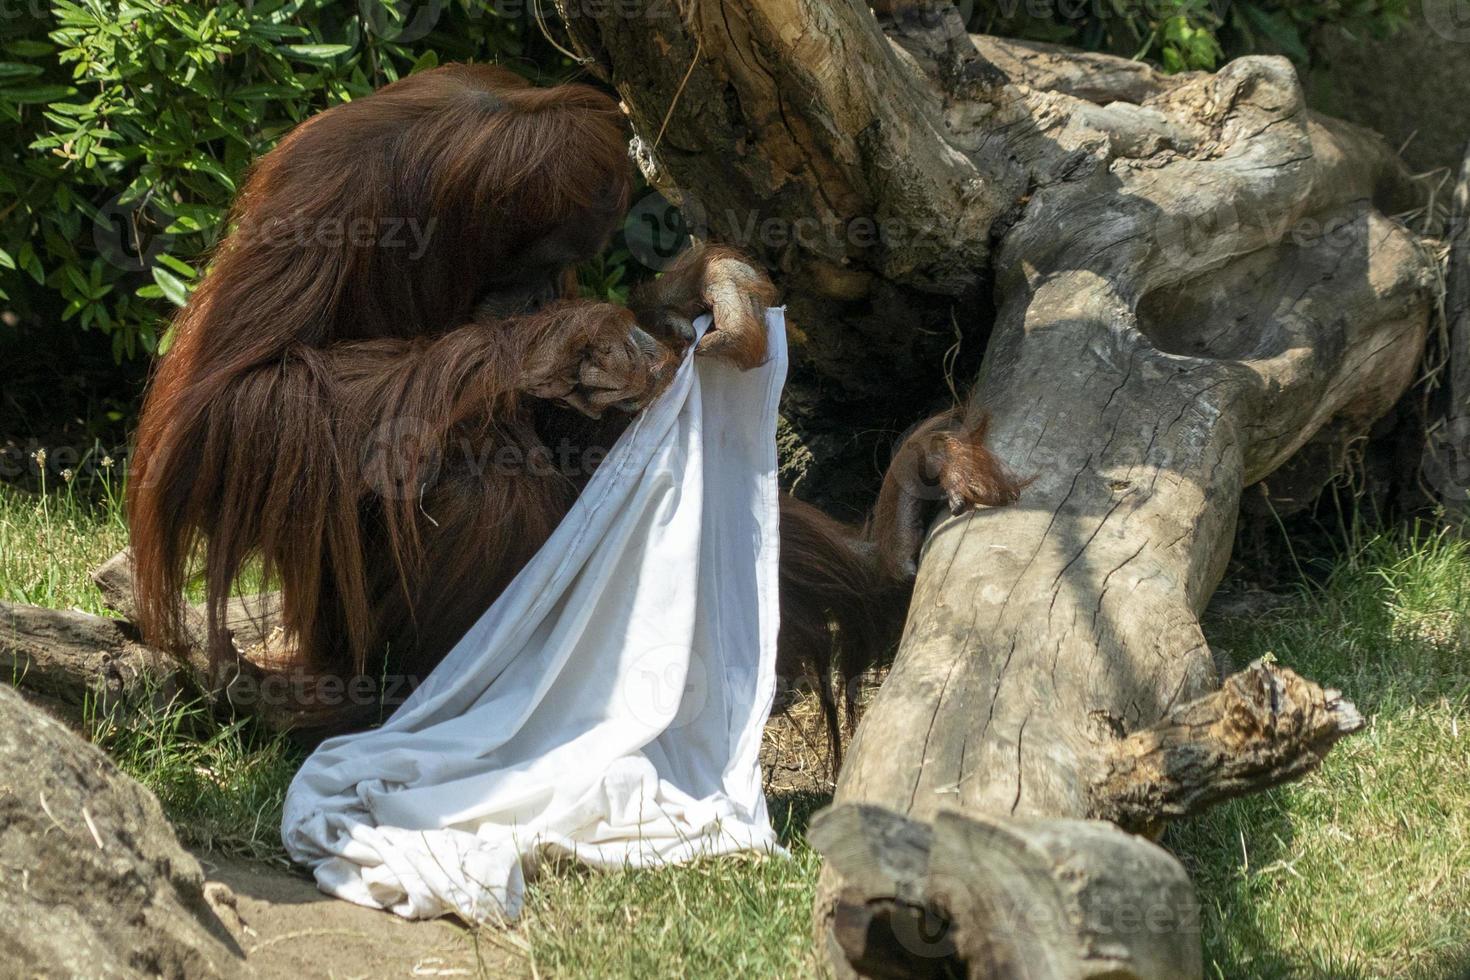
{"points": [[384, 394]]}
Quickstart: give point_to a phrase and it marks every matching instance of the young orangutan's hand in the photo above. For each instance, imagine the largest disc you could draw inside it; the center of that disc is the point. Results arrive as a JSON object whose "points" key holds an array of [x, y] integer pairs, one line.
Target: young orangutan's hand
{"points": [[714, 280], [944, 459]]}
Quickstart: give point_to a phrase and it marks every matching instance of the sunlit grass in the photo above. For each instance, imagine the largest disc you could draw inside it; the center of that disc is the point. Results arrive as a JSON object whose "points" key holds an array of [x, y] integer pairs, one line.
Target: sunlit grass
{"points": [[50, 542], [222, 785], [1361, 870], [739, 916]]}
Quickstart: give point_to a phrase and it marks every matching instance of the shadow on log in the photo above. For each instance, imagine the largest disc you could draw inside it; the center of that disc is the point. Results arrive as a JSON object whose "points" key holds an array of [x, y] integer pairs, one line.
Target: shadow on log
{"points": [[1043, 899]]}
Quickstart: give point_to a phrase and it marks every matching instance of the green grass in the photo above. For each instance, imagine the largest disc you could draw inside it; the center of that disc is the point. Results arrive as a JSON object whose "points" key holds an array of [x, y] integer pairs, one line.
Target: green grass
{"points": [[1361, 870], [49, 543], [222, 786], [739, 916]]}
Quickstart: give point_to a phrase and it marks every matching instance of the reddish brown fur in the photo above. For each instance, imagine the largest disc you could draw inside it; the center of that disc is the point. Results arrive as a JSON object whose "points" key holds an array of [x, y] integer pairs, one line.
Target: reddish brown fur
{"points": [[338, 411]]}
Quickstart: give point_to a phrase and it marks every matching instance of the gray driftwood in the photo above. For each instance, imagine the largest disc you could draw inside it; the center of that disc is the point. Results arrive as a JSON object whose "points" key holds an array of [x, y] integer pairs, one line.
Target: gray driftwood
{"points": [[1189, 282], [1052, 898], [1047, 898]]}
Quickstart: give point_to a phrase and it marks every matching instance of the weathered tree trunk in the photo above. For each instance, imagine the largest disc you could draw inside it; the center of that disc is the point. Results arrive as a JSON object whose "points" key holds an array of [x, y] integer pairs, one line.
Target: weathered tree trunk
{"points": [[1185, 280]]}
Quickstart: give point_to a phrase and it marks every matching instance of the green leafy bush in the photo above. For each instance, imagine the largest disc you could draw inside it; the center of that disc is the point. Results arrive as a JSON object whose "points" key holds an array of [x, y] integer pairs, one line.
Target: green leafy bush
{"points": [[126, 125]]}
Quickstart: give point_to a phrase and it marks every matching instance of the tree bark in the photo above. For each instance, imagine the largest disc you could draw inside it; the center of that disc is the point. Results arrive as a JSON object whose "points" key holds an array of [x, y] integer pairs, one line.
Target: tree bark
{"points": [[71, 662], [1192, 278], [1057, 898]]}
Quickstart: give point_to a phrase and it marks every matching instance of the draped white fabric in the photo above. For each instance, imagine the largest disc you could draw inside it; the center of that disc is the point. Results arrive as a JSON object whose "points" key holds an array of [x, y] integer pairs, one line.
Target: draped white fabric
{"points": [[608, 706]]}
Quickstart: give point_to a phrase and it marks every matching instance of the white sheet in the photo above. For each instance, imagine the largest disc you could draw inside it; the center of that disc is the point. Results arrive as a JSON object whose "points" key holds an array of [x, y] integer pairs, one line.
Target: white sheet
{"points": [[609, 705]]}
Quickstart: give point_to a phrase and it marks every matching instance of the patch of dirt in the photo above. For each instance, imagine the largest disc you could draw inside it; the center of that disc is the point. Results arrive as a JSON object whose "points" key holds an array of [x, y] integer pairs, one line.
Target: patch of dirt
{"points": [[290, 930], [794, 752]]}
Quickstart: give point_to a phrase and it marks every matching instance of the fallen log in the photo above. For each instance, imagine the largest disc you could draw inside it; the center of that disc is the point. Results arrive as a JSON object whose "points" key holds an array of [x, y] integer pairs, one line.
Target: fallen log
{"points": [[1185, 281], [252, 620], [71, 660], [966, 894], [1263, 727], [1056, 898]]}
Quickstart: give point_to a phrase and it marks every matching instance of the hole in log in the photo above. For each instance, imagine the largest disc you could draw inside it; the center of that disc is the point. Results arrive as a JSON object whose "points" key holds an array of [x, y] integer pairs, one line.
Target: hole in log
{"points": [[889, 939], [1219, 316], [1263, 304]]}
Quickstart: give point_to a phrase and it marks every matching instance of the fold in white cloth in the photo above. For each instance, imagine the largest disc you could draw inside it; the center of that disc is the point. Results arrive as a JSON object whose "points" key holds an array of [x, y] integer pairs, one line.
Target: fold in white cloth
{"points": [[608, 706]]}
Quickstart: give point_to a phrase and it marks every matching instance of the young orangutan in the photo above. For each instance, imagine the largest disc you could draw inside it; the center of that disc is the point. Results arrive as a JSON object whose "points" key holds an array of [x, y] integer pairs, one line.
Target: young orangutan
{"points": [[390, 427]]}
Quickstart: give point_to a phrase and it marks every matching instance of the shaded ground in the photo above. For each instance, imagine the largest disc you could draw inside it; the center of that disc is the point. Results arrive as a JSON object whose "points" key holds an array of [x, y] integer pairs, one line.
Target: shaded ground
{"points": [[1412, 87]]}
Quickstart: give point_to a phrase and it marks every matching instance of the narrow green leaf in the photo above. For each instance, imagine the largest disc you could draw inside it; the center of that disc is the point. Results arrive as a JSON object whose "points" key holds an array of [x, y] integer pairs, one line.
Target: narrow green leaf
{"points": [[316, 52], [10, 70], [25, 48], [175, 291], [32, 94], [178, 265]]}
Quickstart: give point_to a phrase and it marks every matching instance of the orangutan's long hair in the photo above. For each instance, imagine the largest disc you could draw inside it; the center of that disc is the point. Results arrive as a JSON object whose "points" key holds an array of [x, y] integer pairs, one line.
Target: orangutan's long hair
{"points": [[314, 327], [387, 318]]}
